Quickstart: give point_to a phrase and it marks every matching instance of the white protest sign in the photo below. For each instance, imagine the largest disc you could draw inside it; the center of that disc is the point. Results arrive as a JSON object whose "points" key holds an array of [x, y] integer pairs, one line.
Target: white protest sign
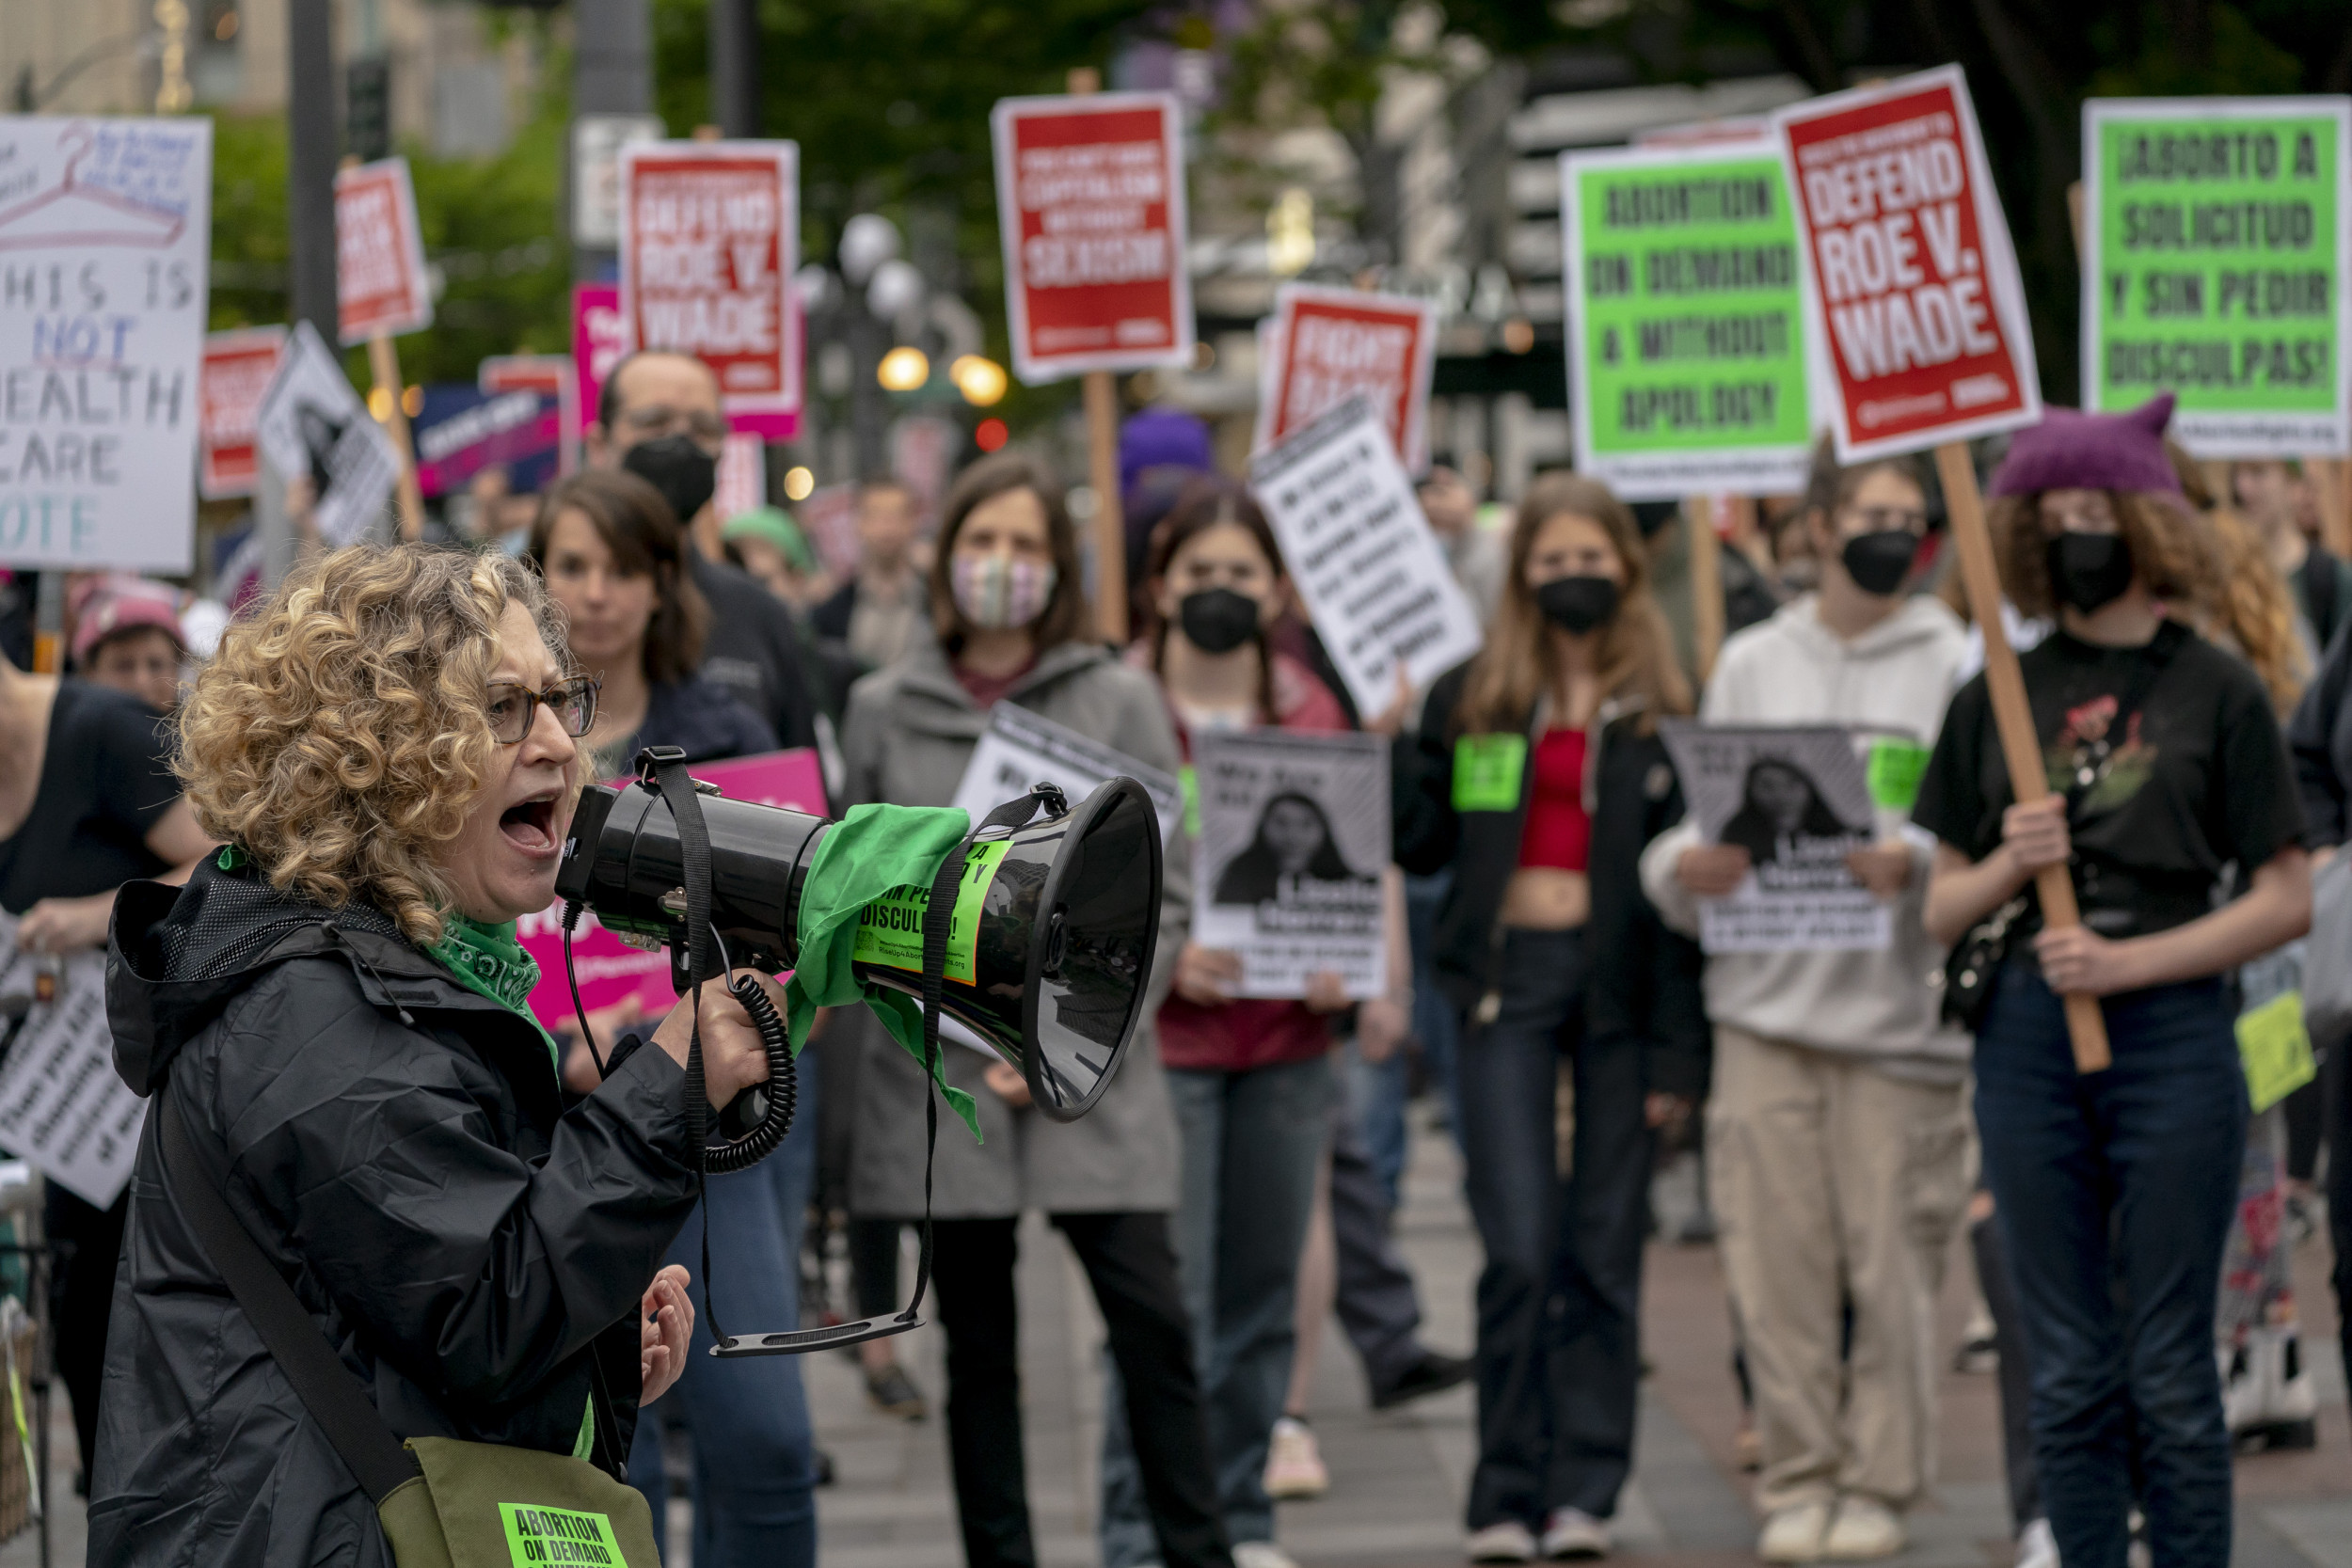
{"points": [[1373, 575], [1796, 798], [105, 230], [1294, 838], [311, 422], [62, 1104], [1019, 750]]}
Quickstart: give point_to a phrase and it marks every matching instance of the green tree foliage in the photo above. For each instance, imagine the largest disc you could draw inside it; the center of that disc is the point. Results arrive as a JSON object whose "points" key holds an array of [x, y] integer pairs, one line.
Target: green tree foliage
{"points": [[2029, 68]]}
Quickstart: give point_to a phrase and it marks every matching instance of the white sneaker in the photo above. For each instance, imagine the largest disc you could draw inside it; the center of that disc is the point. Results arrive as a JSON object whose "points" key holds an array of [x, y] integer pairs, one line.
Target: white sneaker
{"points": [[1572, 1534], [1294, 1465], [1865, 1530], [1261, 1553], [1507, 1542], [1794, 1534], [2036, 1547]]}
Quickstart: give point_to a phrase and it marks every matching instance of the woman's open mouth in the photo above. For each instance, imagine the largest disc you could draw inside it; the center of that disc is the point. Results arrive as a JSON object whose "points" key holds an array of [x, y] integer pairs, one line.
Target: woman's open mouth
{"points": [[529, 824]]}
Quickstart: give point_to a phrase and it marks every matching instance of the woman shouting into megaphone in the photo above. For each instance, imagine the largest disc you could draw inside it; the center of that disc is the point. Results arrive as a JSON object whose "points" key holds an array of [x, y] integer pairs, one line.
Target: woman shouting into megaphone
{"points": [[330, 1021]]}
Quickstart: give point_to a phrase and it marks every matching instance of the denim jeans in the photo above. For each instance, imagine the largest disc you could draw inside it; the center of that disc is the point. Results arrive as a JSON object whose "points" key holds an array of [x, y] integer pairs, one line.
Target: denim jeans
{"points": [[1558, 1300], [753, 1491], [1252, 1142], [2115, 1191], [1434, 1023]]}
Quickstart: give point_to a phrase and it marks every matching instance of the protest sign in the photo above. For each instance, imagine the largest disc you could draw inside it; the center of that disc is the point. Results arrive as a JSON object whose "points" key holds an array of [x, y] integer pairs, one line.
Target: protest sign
{"points": [[612, 972], [1372, 574], [709, 240], [1019, 749], [1687, 366], [1293, 839], [595, 185], [105, 228], [62, 1104], [1091, 209], [743, 476], [555, 375], [311, 422], [828, 518], [381, 288], [2216, 238], [1796, 798], [1326, 345], [461, 431], [599, 341], [1911, 284], [237, 370]]}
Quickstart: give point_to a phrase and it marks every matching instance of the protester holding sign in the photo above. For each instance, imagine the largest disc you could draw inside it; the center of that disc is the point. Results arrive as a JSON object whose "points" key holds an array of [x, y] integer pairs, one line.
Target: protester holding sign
{"points": [[1251, 1078], [1836, 1132], [2165, 764], [1009, 615], [1537, 776], [90, 802]]}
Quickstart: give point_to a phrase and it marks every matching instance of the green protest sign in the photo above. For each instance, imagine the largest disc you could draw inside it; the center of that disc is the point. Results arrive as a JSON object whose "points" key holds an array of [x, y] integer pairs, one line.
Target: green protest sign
{"points": [[1686, 337], [2215, 237]]}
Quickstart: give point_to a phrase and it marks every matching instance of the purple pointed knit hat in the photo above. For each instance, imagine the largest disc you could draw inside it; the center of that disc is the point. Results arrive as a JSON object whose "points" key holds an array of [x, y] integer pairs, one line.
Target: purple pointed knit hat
{"points": [[2070, 450]]}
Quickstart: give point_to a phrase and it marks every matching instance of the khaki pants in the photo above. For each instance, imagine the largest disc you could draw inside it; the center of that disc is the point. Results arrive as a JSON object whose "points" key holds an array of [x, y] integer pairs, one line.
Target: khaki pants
{"points": [[1834, 1183]]}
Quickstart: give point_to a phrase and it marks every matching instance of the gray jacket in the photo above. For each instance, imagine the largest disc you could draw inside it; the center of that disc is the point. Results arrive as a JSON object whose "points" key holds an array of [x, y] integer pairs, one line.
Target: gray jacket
{"points": [[905, 738]]}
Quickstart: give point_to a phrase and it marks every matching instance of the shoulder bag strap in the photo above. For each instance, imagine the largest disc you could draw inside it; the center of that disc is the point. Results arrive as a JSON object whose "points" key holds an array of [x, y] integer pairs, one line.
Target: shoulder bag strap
{"points": [[327, 1388]]}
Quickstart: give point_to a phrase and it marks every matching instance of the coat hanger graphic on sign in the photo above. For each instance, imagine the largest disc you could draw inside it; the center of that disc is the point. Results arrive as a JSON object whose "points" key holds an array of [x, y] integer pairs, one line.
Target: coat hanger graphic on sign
{"points": [[74, 214]]}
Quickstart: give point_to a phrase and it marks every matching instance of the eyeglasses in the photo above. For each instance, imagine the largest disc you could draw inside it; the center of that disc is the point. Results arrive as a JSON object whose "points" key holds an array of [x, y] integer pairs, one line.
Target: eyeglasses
{"points": [[512, 710], [1888, 519], [657, 420]]}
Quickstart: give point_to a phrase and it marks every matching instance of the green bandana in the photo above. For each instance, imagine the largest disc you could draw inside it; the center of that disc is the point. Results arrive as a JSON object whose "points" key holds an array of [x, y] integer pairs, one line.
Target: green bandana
{"points": [[487, 960]]}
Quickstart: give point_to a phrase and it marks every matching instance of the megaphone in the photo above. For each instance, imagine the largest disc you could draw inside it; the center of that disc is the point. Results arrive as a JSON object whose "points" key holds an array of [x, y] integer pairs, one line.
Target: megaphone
{"points": [[1066, 927]]}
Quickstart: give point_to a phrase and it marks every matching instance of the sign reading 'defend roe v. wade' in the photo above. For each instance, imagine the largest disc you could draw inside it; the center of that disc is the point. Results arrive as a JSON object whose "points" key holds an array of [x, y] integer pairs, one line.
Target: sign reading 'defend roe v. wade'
{"points": [[105, 228], [2216, 238], [1911, 282], [1091, 204]]}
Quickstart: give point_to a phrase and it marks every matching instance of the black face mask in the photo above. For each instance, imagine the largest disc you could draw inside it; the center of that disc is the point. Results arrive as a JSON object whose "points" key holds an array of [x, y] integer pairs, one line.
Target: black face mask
{"points": [[2088, 570], [1578, 603], [686, 475], [1878, 563], [1217, 620]]}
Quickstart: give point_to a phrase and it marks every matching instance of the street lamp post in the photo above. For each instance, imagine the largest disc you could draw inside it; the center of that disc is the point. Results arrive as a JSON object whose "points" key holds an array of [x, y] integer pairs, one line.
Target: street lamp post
{"points": [[310, 157]]}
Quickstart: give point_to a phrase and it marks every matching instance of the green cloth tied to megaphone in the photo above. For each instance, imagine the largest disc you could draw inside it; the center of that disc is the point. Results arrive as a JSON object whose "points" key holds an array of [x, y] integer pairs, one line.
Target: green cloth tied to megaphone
{"points": [[868, 854]]}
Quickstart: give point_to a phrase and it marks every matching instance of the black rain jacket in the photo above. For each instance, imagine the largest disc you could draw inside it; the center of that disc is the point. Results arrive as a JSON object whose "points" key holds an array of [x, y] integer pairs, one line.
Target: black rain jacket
{"points": [[466, 1246], [1640, 981]]}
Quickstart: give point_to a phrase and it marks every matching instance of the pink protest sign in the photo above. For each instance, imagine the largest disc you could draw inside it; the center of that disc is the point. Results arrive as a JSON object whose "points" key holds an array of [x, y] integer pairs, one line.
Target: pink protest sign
{"points": [[611, 971]]}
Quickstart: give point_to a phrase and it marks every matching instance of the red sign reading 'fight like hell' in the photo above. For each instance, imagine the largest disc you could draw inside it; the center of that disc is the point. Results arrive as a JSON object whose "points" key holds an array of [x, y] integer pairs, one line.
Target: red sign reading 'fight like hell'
{"points": [[709, 240], [1330, 345], [1090, 203], [1911, 282], [380, 284]]}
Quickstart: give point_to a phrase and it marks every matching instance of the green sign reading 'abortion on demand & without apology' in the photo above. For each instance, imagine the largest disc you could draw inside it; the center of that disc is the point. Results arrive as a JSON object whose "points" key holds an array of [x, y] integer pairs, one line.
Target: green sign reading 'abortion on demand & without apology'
{"points": [[1686, 345], [2215, 240]]}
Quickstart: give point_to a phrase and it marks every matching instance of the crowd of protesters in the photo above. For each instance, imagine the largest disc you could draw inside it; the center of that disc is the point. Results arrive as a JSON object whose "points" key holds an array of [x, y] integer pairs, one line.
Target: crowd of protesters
{"points": [[2190, 686]]}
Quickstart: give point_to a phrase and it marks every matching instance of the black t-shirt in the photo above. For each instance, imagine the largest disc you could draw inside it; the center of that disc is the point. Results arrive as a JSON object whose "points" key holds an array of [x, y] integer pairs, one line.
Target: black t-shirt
{"points": [[753, 650], [2198, 779], [105, 781]]}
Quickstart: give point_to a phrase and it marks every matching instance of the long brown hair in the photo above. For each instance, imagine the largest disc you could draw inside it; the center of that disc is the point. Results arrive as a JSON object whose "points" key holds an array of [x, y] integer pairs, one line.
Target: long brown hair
{"points": [[1065, 616], [643, 535], [2170, 553], [1204, 504], [1520, 663]]}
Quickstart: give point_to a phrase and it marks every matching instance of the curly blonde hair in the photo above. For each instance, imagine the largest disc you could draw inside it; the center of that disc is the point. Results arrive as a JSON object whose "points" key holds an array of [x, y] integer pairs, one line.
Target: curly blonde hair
{"points": [[338, 737]]}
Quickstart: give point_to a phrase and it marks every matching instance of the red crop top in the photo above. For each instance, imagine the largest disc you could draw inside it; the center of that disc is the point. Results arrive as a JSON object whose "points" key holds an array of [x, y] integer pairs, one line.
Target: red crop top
{"points": [[1559, 830]]}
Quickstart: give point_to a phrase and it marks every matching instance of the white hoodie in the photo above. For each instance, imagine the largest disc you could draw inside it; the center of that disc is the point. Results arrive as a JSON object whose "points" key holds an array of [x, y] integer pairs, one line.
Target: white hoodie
{"points": [[1792, 670]]}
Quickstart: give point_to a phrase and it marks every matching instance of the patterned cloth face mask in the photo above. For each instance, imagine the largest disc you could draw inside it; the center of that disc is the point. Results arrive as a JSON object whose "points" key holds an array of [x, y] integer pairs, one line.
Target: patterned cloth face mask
{"points": [[996, 593]]}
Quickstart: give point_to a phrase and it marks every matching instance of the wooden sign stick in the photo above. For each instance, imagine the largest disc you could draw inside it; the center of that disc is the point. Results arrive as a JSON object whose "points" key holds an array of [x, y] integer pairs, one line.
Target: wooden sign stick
{"points": [[384, 364], [1107, 526], [2020, 746], [1707, 582]]}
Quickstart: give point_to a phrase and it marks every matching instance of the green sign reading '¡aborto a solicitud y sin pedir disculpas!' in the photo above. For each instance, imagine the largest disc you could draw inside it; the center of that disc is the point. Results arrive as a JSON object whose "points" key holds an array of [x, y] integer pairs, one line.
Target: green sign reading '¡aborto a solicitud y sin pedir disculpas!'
{"points": [[2215, 239], [1686, 321]]}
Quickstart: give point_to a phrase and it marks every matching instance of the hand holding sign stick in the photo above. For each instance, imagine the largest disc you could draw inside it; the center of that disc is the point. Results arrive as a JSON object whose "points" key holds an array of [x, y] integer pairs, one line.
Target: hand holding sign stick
{"points": [[2020, 746]]}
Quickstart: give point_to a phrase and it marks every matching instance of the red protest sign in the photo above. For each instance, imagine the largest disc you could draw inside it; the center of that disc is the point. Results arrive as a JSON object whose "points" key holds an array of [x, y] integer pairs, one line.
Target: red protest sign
{"points": [[380, 284], [1328, 346], [237, 371], [709, 239], [1090, 206], [1911, 284], [555, 375]]}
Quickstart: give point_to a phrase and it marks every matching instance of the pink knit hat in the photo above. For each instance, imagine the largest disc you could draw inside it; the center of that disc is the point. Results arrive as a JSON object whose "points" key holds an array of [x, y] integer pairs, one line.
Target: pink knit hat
{"points": [[124, 607], [2070, 450]]}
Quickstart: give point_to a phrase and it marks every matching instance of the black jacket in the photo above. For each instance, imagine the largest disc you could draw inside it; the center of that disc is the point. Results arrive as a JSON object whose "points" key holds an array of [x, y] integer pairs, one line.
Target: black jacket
{"points": [[753, 649], [468, 1247], [1640, 981], [2320, 737]]}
